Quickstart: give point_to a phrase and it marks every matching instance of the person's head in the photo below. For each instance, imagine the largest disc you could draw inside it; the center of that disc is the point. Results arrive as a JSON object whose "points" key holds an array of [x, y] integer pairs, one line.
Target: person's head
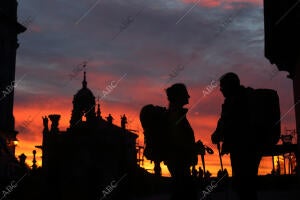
{"points": [[229, 84], [178, 94]]}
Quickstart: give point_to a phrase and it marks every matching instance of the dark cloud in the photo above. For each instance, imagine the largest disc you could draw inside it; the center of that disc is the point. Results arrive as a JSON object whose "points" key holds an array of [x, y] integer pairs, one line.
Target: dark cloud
{"points": [[143, 40]]}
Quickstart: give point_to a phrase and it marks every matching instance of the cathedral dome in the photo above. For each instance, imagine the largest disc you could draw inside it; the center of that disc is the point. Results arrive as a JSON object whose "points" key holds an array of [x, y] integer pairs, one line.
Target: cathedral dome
{"points": [[84, 95], [83, 104]]}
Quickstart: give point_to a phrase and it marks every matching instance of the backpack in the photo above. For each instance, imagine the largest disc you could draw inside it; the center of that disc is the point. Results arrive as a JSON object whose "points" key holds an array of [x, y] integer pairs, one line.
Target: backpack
{"points": [[154, 120], [265, 116]]}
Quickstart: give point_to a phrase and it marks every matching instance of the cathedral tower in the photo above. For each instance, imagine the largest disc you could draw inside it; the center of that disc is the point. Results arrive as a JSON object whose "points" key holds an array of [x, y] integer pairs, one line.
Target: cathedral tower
{"points": [[83, 105]]}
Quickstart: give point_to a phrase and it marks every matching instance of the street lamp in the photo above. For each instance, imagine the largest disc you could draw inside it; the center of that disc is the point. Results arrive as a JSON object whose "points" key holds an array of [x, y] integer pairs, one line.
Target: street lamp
{"points": [[16, 142]]}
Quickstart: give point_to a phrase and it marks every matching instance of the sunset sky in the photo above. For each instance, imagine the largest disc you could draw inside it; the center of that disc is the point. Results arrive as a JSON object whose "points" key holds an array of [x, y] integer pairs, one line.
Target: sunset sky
{"points": [[144, 46]]}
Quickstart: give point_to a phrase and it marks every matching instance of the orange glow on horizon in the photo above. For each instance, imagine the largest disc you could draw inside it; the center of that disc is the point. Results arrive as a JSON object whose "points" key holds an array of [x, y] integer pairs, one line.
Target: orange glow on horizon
{"points": [[32, 135], [30, 117]]}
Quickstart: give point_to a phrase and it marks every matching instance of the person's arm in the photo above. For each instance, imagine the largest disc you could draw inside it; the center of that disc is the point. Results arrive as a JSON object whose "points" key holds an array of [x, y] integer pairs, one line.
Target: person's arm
{"points": [[218, 134]]}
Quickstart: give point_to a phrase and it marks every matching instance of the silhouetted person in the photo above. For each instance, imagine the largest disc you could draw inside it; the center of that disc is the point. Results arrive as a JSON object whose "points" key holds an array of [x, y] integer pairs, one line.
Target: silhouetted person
{"points": [[235, 130], [182, 155], [22, 159], [201, 174], [207, 176], [194, 172], [23, 165], [222, 174], [109, 119], [123, 121]]}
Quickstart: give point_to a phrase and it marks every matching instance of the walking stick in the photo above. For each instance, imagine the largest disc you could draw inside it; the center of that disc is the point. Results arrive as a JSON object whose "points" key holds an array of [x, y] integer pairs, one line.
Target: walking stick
{"points": [[220, 156], [203, 162], [201, 150], [227, 194]]}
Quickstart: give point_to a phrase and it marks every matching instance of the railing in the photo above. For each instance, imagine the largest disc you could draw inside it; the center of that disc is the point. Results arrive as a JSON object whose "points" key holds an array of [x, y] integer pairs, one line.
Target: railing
{"points": [[282, 150]]}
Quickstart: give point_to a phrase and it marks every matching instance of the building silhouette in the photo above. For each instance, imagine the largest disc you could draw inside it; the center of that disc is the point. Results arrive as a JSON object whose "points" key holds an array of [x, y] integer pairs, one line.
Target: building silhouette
{"points": [[91, 153], [282, 47], [10, 29]]}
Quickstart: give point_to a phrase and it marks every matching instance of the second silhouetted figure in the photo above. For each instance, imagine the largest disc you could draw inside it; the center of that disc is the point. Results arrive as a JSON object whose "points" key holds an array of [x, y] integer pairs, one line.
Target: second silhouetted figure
{"points": [[182, 154]]}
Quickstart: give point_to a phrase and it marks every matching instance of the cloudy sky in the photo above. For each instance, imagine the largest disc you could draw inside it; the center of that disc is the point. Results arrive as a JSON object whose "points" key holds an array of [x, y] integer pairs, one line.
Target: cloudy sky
{"points": [[144, 46]]}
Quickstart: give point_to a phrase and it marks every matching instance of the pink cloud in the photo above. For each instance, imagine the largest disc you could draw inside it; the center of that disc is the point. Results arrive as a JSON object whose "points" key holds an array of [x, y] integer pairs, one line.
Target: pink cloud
{"points": [[217, 3]]}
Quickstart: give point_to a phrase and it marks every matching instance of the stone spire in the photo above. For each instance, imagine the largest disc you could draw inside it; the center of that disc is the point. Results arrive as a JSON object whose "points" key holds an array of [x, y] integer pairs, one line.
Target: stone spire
{"points": [[98, 109], [84, 83]]}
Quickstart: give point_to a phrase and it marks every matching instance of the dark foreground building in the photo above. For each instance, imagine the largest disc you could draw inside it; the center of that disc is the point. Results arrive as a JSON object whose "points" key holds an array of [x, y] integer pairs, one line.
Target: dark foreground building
{"points": [[282, 47], [88, 159], [10, 167]]}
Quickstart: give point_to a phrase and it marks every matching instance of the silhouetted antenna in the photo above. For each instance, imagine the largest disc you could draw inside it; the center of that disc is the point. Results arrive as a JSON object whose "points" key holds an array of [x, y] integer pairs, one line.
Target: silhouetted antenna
{"points": [[123, 121], [109, 119], [84, 82]]}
